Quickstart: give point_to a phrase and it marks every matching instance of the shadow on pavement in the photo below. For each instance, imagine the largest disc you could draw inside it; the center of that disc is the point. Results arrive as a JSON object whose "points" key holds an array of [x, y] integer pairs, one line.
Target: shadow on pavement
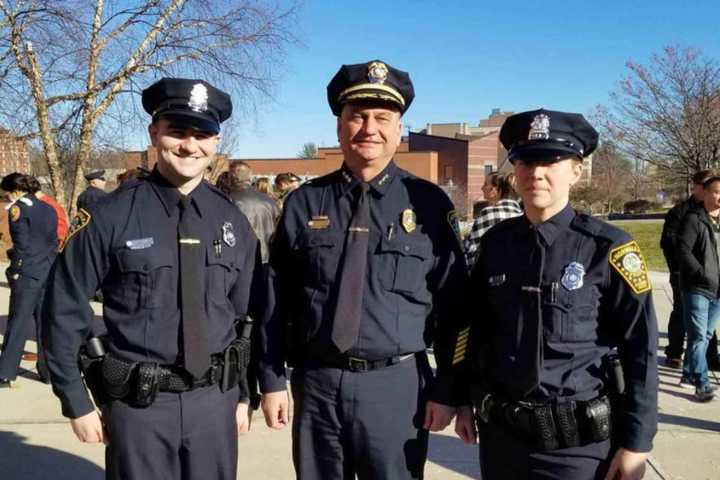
{"points": [[454, 455], [696, 423], [20, 460], [687, 396]]}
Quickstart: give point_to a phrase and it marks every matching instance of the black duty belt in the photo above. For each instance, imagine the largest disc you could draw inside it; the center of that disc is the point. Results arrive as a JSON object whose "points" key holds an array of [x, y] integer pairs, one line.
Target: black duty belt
{"points": [[548, 426], [355, 364]]}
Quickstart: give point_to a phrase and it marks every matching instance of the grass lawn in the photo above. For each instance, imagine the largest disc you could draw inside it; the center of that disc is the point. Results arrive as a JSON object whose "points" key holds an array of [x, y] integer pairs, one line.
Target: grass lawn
{"points": [[647, 233]]}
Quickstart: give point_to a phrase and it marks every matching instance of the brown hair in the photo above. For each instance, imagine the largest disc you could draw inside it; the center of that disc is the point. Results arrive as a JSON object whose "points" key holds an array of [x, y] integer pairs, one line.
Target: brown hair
{"points": [[699, 178], [504, 183]]}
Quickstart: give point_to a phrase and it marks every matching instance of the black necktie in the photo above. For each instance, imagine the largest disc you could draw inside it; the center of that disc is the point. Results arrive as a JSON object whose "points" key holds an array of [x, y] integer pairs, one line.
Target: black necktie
{"points": [[192, 291], [530, 350], [348, 311]]}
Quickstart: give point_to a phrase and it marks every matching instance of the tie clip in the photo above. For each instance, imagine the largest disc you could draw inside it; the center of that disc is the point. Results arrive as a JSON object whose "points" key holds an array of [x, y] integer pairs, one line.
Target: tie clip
{"points": [[358, 229], [190, 241], [531, 289]]}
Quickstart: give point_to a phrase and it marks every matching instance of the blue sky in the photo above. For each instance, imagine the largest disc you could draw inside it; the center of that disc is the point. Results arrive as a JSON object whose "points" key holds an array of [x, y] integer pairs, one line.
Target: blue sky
{"points": [[467, 57]]}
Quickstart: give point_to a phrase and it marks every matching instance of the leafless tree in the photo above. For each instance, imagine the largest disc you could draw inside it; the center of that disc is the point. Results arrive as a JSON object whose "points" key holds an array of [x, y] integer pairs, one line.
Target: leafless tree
{"points": [[667, 113], [308, 150], [64, 65]]}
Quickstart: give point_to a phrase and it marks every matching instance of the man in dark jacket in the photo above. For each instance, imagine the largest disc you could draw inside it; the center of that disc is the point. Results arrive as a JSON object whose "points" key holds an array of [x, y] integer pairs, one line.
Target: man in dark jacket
{"points": [[698, 259], [259, 208], [668, 243]]}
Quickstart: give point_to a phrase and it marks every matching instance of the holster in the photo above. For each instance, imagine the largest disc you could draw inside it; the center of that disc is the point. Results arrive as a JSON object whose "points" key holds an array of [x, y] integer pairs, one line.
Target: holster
{"points": [[90, 360], [147, 383], [117, 376], [236, 359]]}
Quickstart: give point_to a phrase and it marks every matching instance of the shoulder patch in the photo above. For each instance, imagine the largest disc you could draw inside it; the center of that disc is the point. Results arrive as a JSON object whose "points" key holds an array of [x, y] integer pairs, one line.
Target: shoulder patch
{"points": [[14, 213], [628, 260], [81, 220]]}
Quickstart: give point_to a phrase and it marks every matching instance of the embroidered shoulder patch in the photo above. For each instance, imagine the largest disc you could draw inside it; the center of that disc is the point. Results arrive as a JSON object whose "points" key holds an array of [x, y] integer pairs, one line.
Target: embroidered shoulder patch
{"points": [[14, 213], [81, 220], [628, 260]]}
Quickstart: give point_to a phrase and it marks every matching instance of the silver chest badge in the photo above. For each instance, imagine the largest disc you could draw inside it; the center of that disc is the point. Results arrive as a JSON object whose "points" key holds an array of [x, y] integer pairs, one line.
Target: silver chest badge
{"points": [[228, 234], [572, 278]]}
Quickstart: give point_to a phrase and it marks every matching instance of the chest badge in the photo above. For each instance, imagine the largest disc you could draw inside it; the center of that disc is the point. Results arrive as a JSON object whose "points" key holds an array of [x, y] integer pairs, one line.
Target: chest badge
{"points": [[408, 220], [228, 234], [572, 278], [319, 222]]}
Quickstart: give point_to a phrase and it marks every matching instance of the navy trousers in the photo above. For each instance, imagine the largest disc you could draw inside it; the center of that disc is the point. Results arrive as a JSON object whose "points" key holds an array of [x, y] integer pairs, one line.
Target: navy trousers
{"points": [[181, 436], [504, 457], [367, 424], [25, 299]]}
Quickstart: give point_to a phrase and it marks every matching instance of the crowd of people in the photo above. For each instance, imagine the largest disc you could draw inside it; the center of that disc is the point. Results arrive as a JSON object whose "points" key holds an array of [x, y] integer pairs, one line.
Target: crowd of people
{"points": [[542, 327]]}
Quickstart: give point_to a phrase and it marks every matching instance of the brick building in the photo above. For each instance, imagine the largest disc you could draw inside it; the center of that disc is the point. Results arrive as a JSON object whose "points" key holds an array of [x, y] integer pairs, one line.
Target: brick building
{"points": [[14, 155]]}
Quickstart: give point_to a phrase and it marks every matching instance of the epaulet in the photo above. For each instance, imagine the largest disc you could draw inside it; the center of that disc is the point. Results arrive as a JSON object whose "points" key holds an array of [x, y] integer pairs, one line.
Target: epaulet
{"points": [[220, 193], [130, 184], [598, 228], [26, 201], [325, 180]]}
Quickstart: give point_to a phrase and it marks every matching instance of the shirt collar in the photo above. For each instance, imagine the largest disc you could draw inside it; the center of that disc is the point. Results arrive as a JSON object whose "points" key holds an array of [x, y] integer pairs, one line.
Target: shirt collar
{"points": [[551, 228], [169, 195], [380, 184]]}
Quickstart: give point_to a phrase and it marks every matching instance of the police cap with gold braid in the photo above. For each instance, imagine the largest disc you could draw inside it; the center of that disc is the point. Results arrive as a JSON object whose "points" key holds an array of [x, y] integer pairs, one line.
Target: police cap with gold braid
{"points": [[547, 135], [371, 81], [192, 103]]}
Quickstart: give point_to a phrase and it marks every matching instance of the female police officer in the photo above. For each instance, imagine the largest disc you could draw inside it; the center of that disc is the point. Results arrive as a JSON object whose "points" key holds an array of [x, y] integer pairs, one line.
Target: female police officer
{"points": [[559, 292], [32, 229]]}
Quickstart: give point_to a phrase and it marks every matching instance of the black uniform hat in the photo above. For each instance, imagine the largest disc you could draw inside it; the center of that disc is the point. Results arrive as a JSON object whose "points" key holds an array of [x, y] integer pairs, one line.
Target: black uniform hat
{"points": [[194, 103], [547, 134], [374, 80], [95, 174]]}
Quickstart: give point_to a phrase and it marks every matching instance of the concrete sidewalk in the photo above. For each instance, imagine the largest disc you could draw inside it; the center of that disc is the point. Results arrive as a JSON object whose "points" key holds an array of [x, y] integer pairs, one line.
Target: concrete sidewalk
{"points": [[36, 442]]}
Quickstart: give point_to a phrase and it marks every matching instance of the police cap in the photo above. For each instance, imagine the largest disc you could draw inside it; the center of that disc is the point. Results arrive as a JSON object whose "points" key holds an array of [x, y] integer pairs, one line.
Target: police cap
{"points": [[194, 103], [374, 80], [95, 174], [549, 135]]}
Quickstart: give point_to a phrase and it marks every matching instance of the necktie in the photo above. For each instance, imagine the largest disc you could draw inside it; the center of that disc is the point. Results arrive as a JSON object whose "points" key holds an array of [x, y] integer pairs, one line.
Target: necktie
{"points": [[346, 323], [192, 291], [530, 350]]}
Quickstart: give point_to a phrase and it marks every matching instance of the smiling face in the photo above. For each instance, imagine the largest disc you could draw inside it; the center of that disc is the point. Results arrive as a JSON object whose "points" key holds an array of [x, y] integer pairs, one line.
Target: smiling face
{"points": [[544, 185], [183, 153], [369, 135]]}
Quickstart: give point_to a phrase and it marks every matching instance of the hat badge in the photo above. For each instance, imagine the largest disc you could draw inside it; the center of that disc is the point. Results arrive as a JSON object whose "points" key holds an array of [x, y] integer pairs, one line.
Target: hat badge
{"points": [[198, 98], [540, 128], [377, 72]]}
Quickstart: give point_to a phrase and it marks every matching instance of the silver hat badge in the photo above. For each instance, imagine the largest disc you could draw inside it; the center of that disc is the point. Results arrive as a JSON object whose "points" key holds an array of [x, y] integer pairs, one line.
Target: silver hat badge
{"points": [[198, 98], [540, 128]]}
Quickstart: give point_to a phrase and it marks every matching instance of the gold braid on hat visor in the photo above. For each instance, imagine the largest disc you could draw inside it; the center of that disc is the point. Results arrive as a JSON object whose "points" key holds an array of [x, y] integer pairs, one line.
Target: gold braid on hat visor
{"points": [[371, 90]]}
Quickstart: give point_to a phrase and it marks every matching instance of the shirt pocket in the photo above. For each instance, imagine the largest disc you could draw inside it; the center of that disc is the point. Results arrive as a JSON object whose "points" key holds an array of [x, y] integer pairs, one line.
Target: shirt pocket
{"points": [[142, 278], [572, 316], [221, 273], [404, 264], [322, 250]]}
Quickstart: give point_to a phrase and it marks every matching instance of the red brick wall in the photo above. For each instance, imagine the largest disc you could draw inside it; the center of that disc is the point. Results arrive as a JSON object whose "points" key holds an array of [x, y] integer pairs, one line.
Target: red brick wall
{"points": [[14, 156]]}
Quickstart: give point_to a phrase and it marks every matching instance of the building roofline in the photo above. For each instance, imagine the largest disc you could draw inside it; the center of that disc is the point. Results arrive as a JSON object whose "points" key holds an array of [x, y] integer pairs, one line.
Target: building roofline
{"points": [[438, 136]]}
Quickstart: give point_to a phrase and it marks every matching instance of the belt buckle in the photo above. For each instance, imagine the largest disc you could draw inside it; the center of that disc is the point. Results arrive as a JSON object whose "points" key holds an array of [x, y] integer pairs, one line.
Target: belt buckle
{"points": [[357, 365]]}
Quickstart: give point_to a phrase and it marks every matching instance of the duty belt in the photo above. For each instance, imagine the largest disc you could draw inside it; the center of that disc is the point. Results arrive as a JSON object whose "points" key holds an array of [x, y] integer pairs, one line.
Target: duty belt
{"points": [[355, 364], [548, 426]]}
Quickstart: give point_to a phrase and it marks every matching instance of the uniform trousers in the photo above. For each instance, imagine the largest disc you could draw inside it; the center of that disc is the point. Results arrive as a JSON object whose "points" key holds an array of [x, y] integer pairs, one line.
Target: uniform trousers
{"points": [[505, 457], [367, 424], [25, 298], [181, 436]]}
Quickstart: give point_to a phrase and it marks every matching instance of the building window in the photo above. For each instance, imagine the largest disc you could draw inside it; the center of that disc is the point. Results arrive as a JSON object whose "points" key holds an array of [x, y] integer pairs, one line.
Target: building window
{"points": [[448, 172], [488, 170]]}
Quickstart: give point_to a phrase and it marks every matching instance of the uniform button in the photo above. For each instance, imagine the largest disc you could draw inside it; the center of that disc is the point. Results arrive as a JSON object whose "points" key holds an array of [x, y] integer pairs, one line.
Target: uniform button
{"points": [[407, 248], [145, 267]]}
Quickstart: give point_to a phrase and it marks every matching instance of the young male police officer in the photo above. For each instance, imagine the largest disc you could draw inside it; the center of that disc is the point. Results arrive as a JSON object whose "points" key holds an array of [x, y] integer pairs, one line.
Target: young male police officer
{"points": [[558, 291], [366, 272], [174, 259]]}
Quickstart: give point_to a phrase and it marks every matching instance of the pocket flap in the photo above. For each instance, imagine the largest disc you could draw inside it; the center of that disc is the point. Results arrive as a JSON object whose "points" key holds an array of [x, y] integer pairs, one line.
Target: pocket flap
{"points": [[405, 247], [224, 259], [143, 261]]}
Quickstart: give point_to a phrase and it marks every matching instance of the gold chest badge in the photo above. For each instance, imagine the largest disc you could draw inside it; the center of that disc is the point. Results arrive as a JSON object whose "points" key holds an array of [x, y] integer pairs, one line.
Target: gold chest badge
{"points": [[408, 220]]}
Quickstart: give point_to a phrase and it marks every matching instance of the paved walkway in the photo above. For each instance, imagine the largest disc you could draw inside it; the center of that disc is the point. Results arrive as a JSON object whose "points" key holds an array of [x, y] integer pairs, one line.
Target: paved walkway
{"points": [[36, 441]]}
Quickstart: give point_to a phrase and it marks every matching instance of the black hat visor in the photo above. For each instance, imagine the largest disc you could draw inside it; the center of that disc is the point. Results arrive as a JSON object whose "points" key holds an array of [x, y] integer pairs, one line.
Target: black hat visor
{"points": [[200, 121]]}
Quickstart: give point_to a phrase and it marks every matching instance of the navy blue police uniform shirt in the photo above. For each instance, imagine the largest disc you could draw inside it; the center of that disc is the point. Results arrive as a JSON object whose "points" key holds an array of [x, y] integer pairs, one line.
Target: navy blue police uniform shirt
{"points": [[126, 244], [415, 275], [33, 226], [584, 315]]}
